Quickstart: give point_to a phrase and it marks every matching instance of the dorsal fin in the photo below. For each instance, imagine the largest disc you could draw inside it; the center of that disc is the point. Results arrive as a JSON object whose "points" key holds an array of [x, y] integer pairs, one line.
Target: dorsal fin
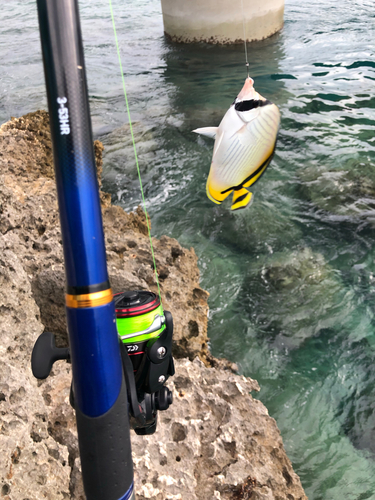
{"points": [[207, 131]]}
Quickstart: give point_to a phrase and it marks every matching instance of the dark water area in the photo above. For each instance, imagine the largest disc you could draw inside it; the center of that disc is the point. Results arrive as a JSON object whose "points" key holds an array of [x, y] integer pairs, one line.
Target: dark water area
{"points": [[291, 279]]}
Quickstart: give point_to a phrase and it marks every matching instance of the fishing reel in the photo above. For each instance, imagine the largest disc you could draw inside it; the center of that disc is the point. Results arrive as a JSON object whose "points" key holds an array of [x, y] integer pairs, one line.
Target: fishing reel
{"points": [[145, 338], [146, 351]]}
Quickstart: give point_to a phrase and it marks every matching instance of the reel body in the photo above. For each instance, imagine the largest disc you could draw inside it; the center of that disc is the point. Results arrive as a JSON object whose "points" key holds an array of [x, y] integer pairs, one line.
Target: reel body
{"points": [[146, 337], [139, 318]]}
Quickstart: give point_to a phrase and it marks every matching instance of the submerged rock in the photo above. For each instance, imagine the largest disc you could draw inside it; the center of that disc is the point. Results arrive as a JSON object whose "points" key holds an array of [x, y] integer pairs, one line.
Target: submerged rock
{"points": [[283, 290], [216, 441], [346, 190], [119, 150]]}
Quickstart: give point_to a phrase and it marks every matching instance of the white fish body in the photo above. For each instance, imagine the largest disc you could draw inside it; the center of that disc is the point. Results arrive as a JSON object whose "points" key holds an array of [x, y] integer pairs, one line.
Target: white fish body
{"points": [[244, 145]]}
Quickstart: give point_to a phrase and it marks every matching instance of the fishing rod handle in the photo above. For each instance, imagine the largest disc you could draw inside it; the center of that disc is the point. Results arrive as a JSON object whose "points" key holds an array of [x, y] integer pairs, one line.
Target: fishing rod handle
{"points": [[102, 441]]}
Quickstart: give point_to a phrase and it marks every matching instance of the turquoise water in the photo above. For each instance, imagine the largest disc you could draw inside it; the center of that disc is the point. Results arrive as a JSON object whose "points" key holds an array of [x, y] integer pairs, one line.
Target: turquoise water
{"points": [[292, 278]]}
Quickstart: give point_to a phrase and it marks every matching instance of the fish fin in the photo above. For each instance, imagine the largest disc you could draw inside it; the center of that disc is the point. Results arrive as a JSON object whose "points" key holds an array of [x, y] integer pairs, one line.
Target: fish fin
{"points": [[209, 195], [241, 199], [207, 131], [213, 193], [211, 198]]}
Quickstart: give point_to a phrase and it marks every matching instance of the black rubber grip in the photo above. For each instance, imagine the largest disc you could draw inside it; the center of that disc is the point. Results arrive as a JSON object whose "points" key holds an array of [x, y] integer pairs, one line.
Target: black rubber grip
{"points": [[105, 449]]}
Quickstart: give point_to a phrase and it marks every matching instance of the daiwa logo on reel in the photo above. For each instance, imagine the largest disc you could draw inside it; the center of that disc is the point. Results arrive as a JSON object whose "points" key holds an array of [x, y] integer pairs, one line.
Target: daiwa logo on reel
{"points": [[132, 347], [63, 116]]}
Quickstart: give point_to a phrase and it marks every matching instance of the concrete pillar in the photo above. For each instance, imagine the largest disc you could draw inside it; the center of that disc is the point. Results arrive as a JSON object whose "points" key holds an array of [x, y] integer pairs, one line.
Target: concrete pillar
{"points": [[221, 21]]}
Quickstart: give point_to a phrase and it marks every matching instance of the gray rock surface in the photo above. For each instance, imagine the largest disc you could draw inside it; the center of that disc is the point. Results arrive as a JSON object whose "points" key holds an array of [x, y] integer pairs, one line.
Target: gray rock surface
{"points": [[215, 442]]}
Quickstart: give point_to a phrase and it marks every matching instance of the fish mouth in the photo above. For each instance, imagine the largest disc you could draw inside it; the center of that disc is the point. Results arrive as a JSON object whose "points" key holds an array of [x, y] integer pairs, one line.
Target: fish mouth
{"points": [[247, 91]]}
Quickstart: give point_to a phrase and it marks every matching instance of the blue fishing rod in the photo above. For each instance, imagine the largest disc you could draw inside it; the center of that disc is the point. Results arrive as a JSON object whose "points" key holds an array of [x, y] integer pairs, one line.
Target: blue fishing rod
{"points": [[119, 347], [100, 394]]}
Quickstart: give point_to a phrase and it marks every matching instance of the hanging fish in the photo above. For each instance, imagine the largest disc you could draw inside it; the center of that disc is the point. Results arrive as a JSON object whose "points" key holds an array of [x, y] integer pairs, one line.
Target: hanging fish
{"points": [[245, 142]]}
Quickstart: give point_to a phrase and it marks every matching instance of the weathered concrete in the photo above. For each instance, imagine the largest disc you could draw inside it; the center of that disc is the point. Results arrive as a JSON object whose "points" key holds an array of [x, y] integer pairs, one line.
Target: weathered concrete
{"points": [[221, 21], [215, 442]]}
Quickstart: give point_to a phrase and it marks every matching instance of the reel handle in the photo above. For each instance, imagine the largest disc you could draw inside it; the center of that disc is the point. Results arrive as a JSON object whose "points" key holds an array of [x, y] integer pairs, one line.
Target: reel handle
{"points": [[45, 353]]}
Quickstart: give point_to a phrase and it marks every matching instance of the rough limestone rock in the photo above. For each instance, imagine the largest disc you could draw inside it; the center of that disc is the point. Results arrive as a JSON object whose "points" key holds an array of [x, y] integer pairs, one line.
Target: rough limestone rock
{"points": [[26, 166], [215, 442], [33, 464]]}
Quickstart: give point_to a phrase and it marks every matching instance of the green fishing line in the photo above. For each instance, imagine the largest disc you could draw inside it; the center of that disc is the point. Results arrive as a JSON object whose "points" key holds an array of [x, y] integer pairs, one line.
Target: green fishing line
{"points": [[134, 147]]}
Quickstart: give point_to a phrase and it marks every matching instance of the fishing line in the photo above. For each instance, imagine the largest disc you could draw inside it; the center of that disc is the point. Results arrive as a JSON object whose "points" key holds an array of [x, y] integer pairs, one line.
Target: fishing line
{"points": [[135, 149], [244, 39]]}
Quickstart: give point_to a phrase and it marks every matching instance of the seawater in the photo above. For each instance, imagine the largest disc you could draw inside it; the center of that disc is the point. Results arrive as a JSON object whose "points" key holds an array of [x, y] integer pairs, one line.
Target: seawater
{"points": [[291, 279]]}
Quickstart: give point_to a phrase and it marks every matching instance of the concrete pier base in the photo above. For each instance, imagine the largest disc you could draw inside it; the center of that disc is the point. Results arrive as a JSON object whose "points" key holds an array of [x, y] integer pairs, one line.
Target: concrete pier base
{"points": [[221, 21]]}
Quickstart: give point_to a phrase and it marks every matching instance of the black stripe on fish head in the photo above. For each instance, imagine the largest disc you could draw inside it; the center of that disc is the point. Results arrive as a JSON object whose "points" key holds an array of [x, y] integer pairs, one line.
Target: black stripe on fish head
{"points": [[251, 104]]}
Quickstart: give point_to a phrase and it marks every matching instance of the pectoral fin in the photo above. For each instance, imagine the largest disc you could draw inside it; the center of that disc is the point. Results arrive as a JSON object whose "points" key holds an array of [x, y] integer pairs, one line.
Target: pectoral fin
{"points": [[241, 199], [207, 131]]}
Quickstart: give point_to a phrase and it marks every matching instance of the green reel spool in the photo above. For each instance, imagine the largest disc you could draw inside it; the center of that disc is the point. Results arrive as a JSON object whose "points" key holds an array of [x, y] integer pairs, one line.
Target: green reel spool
{"points": [[139, 318]]}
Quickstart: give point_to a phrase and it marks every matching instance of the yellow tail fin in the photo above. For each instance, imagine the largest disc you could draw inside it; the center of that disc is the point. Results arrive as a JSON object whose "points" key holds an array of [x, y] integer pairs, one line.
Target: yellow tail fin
{"points": [[241, 199]]}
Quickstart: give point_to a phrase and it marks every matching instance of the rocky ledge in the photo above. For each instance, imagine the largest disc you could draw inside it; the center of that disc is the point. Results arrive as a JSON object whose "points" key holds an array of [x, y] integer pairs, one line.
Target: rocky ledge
{"points": [[215, 442]]}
